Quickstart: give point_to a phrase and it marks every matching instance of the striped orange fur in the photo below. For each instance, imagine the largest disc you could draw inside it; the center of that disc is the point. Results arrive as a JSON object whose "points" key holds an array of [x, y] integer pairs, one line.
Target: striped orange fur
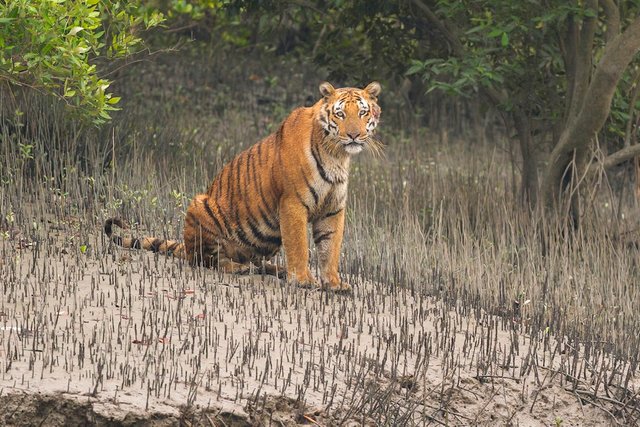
{"points": [[268, 194]]}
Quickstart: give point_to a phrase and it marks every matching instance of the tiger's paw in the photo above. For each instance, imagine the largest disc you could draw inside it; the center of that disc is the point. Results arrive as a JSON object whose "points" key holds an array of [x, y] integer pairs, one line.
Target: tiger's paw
{"points": [[313, 285], [304, 281], [336, 285], [340, 288]]}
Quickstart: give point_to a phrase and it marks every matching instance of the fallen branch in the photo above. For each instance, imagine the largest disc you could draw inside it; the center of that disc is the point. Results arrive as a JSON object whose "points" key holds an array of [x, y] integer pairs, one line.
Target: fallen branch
{"points": [[615, 159]]}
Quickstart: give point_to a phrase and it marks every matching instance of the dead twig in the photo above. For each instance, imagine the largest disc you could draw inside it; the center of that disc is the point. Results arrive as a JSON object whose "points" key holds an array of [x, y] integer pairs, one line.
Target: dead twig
{"points": [[311, 420]]}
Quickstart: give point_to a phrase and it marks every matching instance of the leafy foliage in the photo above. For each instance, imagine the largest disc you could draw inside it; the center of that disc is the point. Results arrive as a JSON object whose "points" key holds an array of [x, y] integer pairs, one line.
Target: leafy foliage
{"points": [[513, 47], [52, 46]]}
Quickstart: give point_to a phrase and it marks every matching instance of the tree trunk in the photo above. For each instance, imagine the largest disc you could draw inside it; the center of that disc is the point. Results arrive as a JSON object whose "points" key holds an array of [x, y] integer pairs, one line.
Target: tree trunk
{"points": [[529, 188], [577, 137]]}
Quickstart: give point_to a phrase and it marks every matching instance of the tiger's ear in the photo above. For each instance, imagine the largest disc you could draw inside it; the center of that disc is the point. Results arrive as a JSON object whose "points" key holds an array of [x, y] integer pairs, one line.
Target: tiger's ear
{"points": [[326, 89], [373, 89]]}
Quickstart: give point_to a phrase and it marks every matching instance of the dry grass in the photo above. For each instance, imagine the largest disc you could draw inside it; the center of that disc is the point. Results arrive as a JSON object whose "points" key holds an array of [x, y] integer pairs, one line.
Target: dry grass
{"points": [[447, 265]]}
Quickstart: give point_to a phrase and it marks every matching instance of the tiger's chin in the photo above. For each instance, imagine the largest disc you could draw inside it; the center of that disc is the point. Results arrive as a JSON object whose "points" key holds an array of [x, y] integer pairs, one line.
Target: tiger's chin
{"points": [[352, 147]]}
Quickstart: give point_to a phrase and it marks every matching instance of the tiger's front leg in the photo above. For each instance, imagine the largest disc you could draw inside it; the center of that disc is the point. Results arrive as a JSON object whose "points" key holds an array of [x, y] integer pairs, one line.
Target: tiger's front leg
{"points": [[327, 235], [293, 228]]}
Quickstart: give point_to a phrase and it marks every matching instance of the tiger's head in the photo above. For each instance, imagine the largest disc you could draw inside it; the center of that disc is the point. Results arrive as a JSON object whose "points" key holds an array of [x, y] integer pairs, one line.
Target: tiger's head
{"points": [[349, 116]]}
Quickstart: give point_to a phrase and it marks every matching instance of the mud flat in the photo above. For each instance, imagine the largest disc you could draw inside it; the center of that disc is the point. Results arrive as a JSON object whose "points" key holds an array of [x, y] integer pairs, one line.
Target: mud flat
{"points": [[96, 335]]}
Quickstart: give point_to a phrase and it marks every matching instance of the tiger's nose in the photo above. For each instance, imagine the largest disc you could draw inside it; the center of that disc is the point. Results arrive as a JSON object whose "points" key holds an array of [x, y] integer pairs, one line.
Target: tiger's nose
{"points": [[353, 135]]}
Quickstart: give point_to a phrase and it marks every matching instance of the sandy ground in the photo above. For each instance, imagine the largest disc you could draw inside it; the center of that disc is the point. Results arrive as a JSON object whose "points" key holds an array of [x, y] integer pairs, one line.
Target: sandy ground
{"points": [[96, 335]]}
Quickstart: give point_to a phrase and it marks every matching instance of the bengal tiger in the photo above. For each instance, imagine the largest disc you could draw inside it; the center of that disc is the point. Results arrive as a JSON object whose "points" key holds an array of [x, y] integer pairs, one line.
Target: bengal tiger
{"points": [[265, 197]]}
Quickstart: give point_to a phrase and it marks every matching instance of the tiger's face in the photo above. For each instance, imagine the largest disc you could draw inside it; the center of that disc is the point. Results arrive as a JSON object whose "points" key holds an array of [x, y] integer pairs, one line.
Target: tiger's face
{"points": [[350, 116]]}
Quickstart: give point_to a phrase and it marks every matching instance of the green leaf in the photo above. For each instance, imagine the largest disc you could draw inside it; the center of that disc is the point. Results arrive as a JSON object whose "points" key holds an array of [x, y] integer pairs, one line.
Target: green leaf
{"points": [[474, 30], [590, 13], [74, 31], [415, 68], [80, 49], [504, 40]]}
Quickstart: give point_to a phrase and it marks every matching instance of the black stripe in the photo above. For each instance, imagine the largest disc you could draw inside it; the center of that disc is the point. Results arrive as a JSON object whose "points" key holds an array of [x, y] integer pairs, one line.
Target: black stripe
{"points": [[264, 217], [248, 182], [253, 164], [266, 147], [107, 227], [190, 220], [225, 221], [259, 145], [155, 245], [330, 214], [237, 180], [273, 240], [272, 172], [281, 131], [279, 159], [242, 236], [322, 237], [253, 221], [313, 191], [135, 244], [117, 240], [260, 192], [239, 230], [249, 161], [207, 208], [218, 185], [319, 165], [303, 203], [202, 227]]}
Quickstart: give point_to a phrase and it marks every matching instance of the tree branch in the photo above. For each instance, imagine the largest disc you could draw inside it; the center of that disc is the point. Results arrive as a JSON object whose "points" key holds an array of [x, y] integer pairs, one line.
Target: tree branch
{"points": [[583, 59], [569, 56], [580, 131], [633, 97], [616, 158], [597, 102], [454, 42], [612, 22]]}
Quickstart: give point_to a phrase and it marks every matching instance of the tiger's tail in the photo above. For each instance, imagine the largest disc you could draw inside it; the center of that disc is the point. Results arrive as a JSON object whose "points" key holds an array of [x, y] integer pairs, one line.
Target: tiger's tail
{"points": [[153, 244]]}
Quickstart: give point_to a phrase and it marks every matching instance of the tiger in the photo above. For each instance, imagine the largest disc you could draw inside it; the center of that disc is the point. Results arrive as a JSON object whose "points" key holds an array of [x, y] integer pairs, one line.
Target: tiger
{"points": [[268, 194]]}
